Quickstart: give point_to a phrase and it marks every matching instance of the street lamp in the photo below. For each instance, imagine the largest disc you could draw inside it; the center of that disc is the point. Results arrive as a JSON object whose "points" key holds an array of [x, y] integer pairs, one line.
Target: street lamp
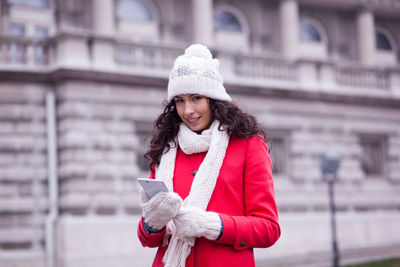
{"points": [[329, 165]]}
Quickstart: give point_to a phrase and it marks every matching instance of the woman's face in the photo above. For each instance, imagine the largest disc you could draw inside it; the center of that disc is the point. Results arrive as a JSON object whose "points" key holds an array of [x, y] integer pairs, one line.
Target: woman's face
{"points": [[194, 110]]}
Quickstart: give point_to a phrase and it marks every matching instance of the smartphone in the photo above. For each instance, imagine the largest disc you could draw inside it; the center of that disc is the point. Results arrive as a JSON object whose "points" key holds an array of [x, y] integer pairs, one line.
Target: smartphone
{"points": [[151, 187]]}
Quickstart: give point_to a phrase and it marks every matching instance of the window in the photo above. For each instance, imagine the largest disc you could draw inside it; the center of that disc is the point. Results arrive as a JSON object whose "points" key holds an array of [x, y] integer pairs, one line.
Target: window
{"points": [[40, 32], [278, 148], [17, 29], [226, 21], [138, 20], [309, 33], [385, 47], [143, 133], [373, 155], [382, 42], [32, 3], [144, 142], [313, 39], [17, 49], [135, 10], [231, 29], [278, 155]]}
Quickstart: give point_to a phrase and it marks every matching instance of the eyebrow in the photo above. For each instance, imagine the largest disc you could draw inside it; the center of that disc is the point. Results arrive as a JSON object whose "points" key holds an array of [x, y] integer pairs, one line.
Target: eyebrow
{"points": [[189, 95]]}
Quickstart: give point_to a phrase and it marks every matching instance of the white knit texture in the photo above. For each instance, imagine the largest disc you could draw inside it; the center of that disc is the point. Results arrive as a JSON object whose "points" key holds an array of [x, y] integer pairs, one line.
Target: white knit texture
{"points": [[196, 72], [194, 222], [203, 184], [160, 209], [191, 143]]}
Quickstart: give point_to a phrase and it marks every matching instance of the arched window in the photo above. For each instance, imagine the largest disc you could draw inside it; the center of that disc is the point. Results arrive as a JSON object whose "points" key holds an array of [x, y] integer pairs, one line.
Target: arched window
{"points": [[135, 10], [226, 21], [313, 39], [382, 42], [309, 33]]}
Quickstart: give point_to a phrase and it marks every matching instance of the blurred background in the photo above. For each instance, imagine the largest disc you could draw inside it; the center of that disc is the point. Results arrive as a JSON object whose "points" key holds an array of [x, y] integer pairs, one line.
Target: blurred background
{"points": [[81, 82]]}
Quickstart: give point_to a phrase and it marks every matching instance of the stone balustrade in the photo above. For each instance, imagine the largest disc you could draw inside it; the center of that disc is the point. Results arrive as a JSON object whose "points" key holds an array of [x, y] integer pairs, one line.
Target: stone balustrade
{"points": [[363, 77], [23, 51], [135, 58], [145, 56], [265, 67]]}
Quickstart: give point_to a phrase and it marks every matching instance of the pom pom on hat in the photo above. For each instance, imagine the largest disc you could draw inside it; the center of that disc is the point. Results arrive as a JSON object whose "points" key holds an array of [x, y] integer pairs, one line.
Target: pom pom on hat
{"points": [[198, 50], [196, 72]]}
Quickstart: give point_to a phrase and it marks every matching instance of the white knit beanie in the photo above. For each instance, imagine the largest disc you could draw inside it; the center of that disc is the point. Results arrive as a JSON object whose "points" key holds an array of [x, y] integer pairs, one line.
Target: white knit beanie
{"points": [[196, 72]]}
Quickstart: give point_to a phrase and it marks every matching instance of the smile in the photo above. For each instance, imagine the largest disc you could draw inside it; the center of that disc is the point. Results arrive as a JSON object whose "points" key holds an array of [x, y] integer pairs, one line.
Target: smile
{"points": [[193, 121]]}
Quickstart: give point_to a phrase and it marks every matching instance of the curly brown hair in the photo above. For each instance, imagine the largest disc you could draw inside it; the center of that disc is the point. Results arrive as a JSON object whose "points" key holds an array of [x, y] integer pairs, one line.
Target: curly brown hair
{"points": [[237, 123]]}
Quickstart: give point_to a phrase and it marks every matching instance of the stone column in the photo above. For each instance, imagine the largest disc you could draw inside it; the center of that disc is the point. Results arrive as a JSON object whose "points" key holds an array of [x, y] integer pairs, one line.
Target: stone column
{"points": [[1, 17], [102, 50], [203, 21], [289, 21], [103, 16], [366, 37], [4, 16], [167, 24]]}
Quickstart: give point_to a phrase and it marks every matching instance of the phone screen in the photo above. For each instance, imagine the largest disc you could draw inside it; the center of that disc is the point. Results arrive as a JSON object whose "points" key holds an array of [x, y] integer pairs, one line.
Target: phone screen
{"points": [[151, 187]]}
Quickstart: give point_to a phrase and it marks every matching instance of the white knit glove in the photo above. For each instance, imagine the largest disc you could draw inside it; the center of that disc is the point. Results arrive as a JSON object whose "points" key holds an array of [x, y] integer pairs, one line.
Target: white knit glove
{"points": [[194, 222], [160, 209]]}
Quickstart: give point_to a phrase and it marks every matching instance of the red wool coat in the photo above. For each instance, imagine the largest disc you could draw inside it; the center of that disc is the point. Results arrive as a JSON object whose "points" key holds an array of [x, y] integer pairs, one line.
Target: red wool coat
{"points": [[244, 199]]}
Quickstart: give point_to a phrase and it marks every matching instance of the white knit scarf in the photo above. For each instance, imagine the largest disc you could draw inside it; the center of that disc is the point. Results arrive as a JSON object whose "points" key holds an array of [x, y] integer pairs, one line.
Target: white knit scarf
{"points": [[213, 141]]}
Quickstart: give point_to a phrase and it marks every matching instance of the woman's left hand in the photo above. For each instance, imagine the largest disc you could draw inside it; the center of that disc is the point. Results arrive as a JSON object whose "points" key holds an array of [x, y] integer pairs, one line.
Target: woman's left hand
{"points": [[194, 222]]}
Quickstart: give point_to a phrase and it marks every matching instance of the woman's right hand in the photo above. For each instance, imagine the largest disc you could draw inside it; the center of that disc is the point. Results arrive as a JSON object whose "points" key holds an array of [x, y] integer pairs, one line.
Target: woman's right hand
{"points": [[160, 209]]}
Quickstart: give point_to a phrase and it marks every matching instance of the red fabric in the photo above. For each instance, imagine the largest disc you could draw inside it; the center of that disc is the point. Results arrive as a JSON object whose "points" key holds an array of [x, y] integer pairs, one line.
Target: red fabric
{"points": [[244, 199]]}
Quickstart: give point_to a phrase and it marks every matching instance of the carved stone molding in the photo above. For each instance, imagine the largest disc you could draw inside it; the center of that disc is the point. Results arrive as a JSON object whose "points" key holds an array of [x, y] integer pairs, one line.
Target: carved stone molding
{"points": [[391, 6]]}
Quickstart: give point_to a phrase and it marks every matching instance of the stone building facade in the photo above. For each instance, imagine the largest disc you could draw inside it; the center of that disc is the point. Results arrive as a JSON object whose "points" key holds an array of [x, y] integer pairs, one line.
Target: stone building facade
{"points": [[81, 83]]}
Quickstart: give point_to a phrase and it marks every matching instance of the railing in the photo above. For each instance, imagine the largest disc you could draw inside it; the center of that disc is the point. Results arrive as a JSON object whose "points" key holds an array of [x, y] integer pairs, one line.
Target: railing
{"points": [[156, 59], [363, 78], [22, 51], [275, 68], [264, 67], [145, 56]]}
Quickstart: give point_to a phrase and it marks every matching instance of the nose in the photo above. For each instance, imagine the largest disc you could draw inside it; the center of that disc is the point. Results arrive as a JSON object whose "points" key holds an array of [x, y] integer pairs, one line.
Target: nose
{"points": [[188, 109]]}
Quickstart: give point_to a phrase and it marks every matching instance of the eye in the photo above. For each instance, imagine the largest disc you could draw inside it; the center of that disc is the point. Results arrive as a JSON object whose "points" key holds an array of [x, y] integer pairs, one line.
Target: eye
{"points": [[196, 97], [178, 100]]}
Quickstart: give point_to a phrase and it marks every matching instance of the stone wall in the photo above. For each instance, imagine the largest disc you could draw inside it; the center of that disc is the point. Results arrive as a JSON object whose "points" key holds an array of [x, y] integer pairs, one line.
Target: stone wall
{"points": [[23, 175], [99, 152], [100, 142], [367, 207], [108, 86]]}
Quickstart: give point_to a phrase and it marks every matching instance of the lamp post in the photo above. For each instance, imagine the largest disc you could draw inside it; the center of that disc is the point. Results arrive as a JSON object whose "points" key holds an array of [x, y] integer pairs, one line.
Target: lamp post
{"points": [[329, 165]]}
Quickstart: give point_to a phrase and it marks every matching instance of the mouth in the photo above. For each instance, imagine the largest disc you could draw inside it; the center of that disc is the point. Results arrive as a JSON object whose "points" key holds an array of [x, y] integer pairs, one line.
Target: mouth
{"points": [[193, 121]]}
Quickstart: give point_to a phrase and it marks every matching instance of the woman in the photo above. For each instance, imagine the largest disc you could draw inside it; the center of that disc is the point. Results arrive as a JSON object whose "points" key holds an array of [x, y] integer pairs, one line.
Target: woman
{"points": [[213, 158]]}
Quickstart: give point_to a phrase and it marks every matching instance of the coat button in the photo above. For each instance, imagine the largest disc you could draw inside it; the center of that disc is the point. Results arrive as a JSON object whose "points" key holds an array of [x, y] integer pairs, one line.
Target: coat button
{"points": [[194, 172], [242, 243]]}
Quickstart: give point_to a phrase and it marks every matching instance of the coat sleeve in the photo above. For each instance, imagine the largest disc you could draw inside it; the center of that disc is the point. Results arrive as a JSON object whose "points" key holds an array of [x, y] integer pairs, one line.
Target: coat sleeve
{"points": [[149, 240], [259, 226]]}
